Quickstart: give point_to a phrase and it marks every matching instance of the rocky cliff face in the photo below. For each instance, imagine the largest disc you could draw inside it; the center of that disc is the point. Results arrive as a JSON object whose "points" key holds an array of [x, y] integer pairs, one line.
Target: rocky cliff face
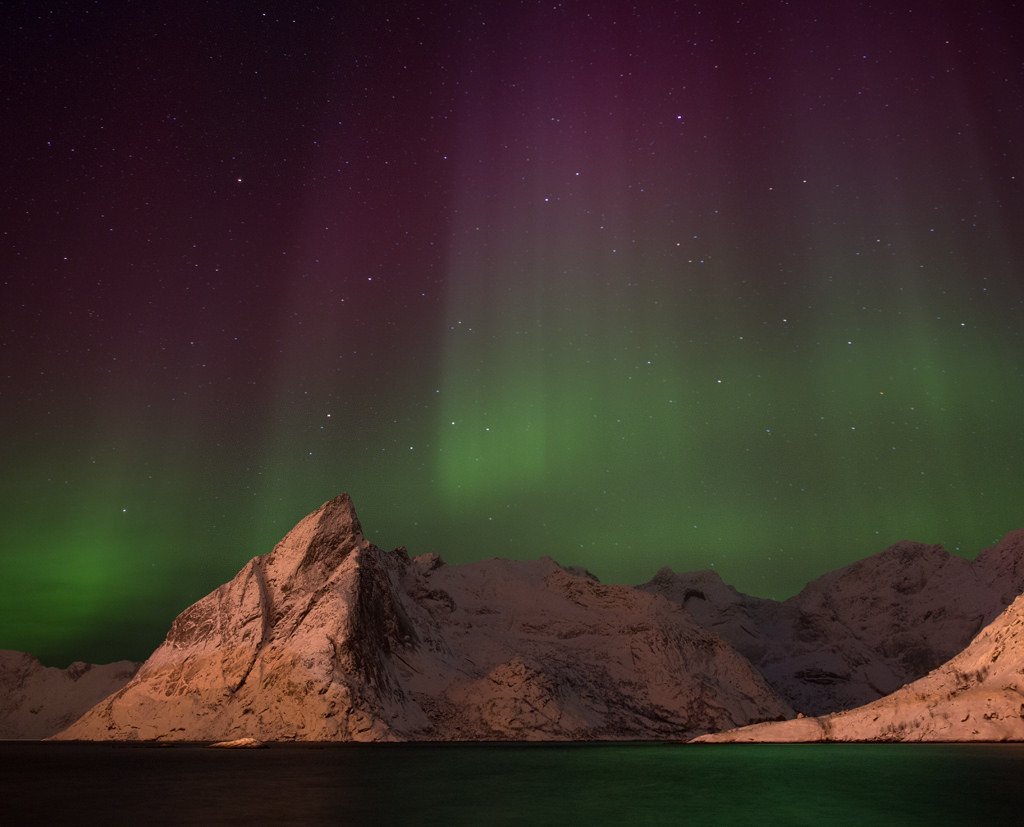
{"points": [[976, 696], [862, 631], [330, 638], [36, 701]]}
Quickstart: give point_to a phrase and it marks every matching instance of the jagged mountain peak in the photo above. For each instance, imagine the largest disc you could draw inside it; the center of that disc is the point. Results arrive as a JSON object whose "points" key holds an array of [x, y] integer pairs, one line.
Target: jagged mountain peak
{"points": [[321, 540]]}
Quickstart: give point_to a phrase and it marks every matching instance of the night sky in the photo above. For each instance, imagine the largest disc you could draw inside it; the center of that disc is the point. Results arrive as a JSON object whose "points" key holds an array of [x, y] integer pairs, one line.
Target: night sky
{"points": [[699, 284]]}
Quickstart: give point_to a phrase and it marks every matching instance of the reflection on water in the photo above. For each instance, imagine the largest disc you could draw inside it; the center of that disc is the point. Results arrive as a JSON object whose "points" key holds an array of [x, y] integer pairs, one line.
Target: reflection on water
{"points": [[519, 784]]}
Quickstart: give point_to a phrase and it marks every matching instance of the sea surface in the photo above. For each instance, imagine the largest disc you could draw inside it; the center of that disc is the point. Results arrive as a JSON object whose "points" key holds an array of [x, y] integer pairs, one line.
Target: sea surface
{"points": [[820, 784]]}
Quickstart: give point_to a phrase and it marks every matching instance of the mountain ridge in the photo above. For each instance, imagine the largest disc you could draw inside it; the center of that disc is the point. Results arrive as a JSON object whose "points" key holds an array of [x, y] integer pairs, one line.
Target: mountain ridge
{"points": [[978, 695], [36, 700], [328, 637], [861, 631]]}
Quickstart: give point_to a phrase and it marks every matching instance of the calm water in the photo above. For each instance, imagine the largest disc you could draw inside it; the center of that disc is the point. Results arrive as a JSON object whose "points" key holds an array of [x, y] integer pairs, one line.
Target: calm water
{"points": [[498, 784]]}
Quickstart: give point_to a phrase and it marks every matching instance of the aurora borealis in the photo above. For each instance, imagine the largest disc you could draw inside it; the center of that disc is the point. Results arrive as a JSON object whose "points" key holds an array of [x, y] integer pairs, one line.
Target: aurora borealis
{"points": [[690, 284]]}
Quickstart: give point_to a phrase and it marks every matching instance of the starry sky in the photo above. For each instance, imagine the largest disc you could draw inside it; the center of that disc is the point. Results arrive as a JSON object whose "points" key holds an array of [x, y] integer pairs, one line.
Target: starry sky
{"points": [[700, 284]]}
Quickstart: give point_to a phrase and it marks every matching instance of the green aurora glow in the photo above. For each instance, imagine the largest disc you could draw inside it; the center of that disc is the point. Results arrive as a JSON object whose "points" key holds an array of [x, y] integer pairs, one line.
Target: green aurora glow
{"points": [[566, 288]]}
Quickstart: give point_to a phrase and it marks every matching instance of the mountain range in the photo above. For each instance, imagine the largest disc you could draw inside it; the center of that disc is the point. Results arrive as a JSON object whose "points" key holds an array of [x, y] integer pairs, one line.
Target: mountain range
{"points": [[976, 696], [329, 637], [37, 701], [862, 631]]}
